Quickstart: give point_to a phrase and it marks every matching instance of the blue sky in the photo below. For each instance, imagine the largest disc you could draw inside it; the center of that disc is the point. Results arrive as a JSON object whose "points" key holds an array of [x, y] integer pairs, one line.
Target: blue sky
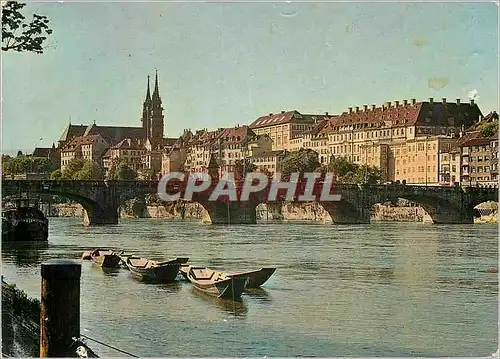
{"points": [[222, 64]]}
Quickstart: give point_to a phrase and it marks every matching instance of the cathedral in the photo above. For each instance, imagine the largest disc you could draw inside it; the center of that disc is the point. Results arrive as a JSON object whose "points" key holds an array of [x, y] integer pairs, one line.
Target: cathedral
{"points": [[141, 146], [152, 116]]}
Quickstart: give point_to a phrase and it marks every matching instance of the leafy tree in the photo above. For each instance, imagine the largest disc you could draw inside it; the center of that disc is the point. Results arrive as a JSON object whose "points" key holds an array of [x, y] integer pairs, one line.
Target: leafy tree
{"points": [[346, 171], [304, 160], [121, 171], [126, 173], [19, 35], [490, 128], [73, 166], [24, 164], [56, 174], [19, 153], [89, 171]]}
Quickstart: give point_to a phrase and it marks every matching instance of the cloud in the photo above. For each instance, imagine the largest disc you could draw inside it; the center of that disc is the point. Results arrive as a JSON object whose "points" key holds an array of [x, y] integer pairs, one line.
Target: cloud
{"points": [[473, 95]]}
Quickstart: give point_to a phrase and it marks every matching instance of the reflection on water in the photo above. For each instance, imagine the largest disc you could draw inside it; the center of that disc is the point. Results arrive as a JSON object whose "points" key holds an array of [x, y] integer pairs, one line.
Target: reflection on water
{"points": [[367, 290], [236, 307], [26, 254]]}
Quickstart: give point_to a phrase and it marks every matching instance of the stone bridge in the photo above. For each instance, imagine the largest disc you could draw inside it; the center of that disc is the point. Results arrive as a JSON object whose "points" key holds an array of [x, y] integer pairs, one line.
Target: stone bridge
{"points": [[102, 199]]}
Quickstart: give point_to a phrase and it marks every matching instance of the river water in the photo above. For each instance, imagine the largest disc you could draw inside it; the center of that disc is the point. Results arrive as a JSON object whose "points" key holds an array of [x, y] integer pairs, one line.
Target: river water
{"points": [[386, 289]]}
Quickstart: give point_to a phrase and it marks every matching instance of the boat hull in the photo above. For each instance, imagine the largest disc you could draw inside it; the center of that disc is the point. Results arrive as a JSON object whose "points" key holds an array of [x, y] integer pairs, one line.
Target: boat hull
{"points": [[165, 272], [228, 288], [255, 278], [106, 260]]}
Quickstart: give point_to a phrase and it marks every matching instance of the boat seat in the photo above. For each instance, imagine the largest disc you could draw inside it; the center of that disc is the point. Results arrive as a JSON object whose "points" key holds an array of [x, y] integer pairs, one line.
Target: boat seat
{"points": [[202, 275], [139, 262]]}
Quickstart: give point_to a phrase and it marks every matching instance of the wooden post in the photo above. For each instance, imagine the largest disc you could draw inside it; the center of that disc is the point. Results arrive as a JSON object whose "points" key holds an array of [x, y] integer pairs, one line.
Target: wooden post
{"points": [[59, 307]]}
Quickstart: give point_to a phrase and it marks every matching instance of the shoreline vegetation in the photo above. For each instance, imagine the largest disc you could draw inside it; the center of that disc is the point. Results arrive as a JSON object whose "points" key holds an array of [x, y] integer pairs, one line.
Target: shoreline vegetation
{"points": [[403, 211]]}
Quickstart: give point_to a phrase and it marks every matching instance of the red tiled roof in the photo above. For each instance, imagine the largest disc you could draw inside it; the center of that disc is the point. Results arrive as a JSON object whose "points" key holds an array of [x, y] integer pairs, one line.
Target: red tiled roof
{"points": [[287, 117], [234, 135], [421, 113]]}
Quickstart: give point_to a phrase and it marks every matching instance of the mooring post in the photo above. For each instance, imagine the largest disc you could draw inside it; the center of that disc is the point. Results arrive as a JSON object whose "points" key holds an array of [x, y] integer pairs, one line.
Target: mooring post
{"points": [[59, 307]]}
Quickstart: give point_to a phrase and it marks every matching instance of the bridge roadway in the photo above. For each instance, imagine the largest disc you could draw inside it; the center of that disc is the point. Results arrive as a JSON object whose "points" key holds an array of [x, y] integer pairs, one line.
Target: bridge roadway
{"points": [[102, 199]]}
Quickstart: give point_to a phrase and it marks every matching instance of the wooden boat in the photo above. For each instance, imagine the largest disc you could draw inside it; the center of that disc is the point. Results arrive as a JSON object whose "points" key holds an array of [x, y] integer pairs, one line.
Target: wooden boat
{"points": [[105, 258], [153, 270], [216, 284], [255, 278]]}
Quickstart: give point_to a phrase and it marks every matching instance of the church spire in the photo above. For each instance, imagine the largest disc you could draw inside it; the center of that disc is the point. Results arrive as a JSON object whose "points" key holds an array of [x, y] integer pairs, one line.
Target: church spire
{"points": [[156, 91], [148, 93]]}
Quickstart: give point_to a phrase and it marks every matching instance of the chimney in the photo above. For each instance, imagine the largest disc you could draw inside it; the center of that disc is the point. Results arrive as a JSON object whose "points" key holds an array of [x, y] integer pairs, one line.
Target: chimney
{"points": [[472, 101], [405, 102], [396, 103], [365, 107], [373, 107], [282, 111], [357, 108], [431, 100], [413, 101], [458, 101], [350, 109]]}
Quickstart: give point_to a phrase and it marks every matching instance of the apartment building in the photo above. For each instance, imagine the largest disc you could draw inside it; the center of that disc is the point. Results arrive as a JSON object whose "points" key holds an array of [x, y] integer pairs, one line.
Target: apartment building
{"points": [[285, 126], [90, 147], [479, 152], [129, 151], [403, 139]]}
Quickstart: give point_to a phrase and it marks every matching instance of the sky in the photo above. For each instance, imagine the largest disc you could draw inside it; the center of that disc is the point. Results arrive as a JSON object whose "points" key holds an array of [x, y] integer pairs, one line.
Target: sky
{"points": [[223, 64]]}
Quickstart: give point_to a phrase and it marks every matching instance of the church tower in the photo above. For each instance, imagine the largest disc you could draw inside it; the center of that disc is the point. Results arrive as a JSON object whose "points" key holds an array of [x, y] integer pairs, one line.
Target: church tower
{"points": [[146, 114], [157, 121]]}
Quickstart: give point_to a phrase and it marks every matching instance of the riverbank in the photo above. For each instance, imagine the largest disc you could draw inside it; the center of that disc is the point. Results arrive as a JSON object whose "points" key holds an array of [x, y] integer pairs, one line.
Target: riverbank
{"points": [[402, 211]]}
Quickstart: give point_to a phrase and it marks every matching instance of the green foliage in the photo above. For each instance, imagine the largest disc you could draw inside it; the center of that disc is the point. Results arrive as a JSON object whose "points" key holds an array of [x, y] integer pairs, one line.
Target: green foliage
{"points": [[121, 171], [304, 160], [73, 166], [89, 171], [490, 128], [24, 164], [349, 172], [19, 35], [56, 174]]}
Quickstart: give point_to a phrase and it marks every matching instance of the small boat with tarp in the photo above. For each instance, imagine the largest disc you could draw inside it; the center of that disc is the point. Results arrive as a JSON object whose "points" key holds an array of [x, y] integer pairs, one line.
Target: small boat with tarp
{"points": [[150, 270], [106, 258], [216, 284]]}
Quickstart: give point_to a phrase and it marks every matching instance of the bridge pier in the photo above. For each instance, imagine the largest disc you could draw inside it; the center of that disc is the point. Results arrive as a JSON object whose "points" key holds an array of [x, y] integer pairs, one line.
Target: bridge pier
{"points": [[231, 213], [441, 214], [345, 213], [98, 215]]}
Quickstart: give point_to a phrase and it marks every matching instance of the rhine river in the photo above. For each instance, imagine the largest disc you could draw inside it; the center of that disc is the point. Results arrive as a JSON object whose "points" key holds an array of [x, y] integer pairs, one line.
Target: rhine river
{"points": [[386, 289]]}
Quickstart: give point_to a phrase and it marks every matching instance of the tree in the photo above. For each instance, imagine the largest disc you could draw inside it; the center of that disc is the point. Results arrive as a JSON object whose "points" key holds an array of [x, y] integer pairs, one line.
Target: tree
{"points": [[89, 171], [19, 35], [56, 174], [305, 160], [73, 166], [125, 173], [489, 129], [346, 171]]}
